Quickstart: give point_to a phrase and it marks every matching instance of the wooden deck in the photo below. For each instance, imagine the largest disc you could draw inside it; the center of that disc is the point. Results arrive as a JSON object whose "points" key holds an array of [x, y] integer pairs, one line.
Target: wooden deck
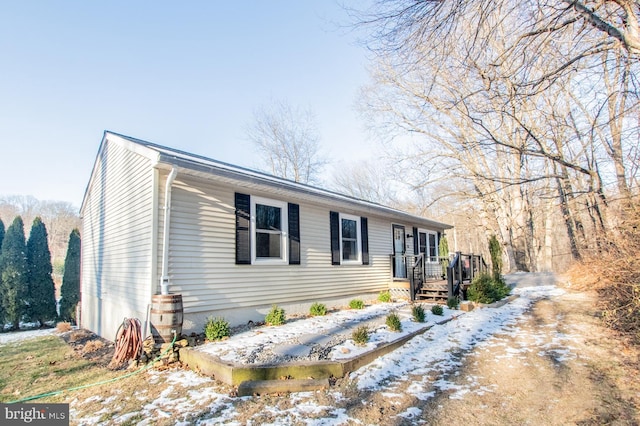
{"points": [[434, 291]]}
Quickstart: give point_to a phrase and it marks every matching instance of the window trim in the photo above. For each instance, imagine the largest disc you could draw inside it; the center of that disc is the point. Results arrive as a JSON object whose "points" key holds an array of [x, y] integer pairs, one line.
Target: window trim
{"points": [[284, 235], [356, 219]]}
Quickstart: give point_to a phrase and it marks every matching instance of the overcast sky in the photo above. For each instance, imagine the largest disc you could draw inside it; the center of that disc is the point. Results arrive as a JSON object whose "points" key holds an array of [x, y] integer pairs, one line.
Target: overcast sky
{"points": [[188, 75]]}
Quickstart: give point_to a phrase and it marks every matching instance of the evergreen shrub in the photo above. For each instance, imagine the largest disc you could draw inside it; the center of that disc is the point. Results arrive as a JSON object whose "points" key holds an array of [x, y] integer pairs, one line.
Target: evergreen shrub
{"points": [[276, 316], [393, 322], [418, 313], [360, 335], [317, 309], [216, 328], [486, 288], [384, 296], [356, 304], [453, 302]]}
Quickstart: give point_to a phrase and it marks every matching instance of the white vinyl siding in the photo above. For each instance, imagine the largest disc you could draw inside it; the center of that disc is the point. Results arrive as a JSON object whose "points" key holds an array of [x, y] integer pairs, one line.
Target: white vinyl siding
{"points": [[202, 256], [117, 240]]}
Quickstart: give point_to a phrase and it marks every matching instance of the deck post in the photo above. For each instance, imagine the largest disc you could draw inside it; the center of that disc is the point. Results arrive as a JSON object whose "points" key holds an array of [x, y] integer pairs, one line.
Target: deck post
{"points": [[450, 281]]}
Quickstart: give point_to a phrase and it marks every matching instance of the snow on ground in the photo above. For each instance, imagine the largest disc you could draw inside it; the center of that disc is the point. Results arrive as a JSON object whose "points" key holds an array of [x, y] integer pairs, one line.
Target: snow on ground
{"points": [[417, 368], [242, 347], [17, 336]]}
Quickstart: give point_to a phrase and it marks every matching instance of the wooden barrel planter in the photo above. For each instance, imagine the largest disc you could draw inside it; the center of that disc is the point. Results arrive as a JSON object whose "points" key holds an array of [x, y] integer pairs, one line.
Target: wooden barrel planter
{"points": [[166, 315]]}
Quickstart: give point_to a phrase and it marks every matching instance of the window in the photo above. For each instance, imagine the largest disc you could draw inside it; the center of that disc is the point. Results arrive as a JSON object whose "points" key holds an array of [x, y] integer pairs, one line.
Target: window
{"points": [[349, 239], [269, 226], [267, 231]]}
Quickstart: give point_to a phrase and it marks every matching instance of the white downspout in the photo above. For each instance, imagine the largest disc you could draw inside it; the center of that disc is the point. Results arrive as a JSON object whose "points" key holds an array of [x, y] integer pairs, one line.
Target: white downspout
{"points": [[164, 279]]}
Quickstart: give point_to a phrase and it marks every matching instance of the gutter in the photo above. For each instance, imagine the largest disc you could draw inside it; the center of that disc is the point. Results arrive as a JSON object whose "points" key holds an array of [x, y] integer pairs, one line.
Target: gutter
{"points": [[164, 279]]}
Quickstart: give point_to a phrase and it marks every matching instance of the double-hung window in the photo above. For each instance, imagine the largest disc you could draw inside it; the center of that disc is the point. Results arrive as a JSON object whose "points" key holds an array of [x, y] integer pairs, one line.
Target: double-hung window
{"points": [[267, 231], [269, 228], [349, 239]]}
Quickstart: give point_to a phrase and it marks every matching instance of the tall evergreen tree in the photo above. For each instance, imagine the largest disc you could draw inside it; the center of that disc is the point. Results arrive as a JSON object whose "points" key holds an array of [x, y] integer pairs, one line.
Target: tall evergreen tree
{"points": [[70, 290], [1, 308], [496, 256], [41, 290], [13, 267], [1, 233]]}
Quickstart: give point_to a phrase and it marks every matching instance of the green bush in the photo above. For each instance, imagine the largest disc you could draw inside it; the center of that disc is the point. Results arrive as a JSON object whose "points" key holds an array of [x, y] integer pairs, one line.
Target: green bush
{"points": [[384, 296], [356, 304], [436, 310], [418, 313], [487, 289], [393, 322], [360, 335], [453, 302], [317, 309], [216, 328], [276, 316]]}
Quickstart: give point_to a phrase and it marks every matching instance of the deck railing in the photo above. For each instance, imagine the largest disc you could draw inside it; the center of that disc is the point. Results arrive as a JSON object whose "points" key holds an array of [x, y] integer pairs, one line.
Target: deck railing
{"points": [[461, 271], [417, 271]]}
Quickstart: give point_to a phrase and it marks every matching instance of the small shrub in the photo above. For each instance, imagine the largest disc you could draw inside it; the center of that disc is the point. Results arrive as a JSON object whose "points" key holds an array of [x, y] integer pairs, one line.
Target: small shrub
{"points": [[63, 327], [276, 316], [216, 328], [356, 304], [487, 289], [436, 310], [418, 313], [393, 322], [453, 302], [384, 296], [360, 335], [317, 309]]}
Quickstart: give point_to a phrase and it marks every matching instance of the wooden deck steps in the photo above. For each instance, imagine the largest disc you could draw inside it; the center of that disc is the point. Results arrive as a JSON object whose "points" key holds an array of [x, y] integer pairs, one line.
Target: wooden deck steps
{"points": [[434, 291]]}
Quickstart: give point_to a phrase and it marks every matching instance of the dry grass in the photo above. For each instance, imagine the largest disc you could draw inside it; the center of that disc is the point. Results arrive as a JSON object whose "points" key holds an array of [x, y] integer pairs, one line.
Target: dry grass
{"points": [[63, 327], [79, 336], [615, 273], [92, 346], [43, 365]]}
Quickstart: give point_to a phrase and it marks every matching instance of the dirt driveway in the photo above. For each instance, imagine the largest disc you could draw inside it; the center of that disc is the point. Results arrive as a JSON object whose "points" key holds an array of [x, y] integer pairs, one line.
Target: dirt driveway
{"points": [[556, 366]]}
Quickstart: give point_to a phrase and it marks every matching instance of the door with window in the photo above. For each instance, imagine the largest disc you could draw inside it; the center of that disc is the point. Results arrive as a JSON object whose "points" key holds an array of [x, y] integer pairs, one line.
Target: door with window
{"points": [[399, 250], [428, 245]]}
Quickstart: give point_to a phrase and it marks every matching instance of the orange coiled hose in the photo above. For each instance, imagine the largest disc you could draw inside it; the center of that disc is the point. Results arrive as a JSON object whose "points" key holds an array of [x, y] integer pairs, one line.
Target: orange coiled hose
{"points": [[128, 341]]}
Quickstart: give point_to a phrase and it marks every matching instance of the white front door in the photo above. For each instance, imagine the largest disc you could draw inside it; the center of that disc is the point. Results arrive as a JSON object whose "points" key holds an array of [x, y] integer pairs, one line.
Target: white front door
{"points": [[399, 266]]}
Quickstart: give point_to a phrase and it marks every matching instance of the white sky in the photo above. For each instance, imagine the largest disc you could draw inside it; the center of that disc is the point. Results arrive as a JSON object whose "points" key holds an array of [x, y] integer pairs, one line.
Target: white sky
{"points": [[185, 75]]}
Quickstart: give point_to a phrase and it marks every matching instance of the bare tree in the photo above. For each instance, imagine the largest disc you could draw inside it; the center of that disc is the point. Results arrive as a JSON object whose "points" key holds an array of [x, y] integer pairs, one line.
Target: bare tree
{"points": [[60, 218], [528, 105], [288, 138], [367, 180]]}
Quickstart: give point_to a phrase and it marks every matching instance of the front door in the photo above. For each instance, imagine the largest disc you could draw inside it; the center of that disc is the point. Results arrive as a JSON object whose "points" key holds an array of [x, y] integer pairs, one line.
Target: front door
{"points": [[399, 265]]}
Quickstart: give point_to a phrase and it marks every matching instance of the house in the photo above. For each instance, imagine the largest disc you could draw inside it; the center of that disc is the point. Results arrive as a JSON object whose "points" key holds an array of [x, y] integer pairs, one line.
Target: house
{"points": [[231, 241]]}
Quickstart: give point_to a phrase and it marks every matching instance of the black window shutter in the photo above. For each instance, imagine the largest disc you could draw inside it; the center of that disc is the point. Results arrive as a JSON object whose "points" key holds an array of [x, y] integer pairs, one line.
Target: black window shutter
{"points": [[334, 224], [243, 231], [364, 231], [416, 241], [294, 234]]}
